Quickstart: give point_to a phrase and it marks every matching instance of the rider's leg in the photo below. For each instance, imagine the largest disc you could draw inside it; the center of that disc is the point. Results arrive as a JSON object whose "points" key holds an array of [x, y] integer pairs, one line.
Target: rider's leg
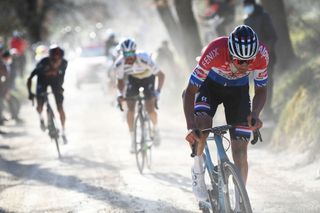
{"points": [[58, 94], [40, 103], [150, 107], [62, 116], [237, 109], [239, 154], [130, 121], [130, 114]]}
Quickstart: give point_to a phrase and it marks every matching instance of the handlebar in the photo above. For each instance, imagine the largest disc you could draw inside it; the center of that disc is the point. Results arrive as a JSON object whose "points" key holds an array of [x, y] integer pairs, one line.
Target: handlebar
{"points": [[221, 130], [135, 98]]}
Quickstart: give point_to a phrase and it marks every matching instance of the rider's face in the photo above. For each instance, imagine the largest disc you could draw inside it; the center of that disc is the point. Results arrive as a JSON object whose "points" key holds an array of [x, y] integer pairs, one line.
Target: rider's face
{"points": [[129, 57], [241, 65], [56, 60]]}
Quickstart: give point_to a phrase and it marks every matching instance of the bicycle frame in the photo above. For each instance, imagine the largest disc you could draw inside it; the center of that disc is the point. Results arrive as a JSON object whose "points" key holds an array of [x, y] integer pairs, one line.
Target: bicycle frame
{"points": [[219, 195], [222, 157], [52, 129]]}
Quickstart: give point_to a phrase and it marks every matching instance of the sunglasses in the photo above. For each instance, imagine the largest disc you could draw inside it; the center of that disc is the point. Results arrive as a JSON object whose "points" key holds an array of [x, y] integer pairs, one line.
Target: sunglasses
{"points": [[240, 62], [129, 54]]}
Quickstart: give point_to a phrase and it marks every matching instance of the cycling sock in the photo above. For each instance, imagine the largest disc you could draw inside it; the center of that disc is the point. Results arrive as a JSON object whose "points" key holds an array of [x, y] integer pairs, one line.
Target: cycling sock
{"points": [[198, 164], [132, 136]]}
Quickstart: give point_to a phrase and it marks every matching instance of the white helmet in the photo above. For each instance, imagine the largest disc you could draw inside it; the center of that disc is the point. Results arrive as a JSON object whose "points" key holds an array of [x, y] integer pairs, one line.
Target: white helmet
{"points": [[243, 43], [128, 45]]}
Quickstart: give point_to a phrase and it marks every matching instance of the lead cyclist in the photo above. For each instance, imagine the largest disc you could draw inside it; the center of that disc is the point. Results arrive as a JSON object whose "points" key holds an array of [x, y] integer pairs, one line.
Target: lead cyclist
{"points": [[222, 77]]}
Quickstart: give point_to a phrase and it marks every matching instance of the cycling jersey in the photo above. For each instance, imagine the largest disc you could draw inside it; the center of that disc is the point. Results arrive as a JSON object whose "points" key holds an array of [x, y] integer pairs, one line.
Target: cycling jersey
{"points": [[49, 76], [216, 64], [143, 67]]}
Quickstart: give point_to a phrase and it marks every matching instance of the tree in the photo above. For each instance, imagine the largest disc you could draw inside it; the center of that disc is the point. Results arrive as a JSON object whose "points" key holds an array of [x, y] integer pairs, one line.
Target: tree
{"points": [[36, 17], [183, 31], [284, 48]]}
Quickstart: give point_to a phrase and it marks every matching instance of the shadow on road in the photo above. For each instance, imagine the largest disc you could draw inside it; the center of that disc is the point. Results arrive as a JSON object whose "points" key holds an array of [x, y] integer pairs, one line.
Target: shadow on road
{"points": [[76, 160], [114, 198]]}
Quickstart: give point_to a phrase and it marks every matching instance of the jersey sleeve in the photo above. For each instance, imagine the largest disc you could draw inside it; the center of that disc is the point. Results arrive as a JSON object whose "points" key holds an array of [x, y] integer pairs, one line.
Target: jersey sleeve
{"points": [[207, 60], [118, 69], [146, 59], [260, 75], [198, 76]]}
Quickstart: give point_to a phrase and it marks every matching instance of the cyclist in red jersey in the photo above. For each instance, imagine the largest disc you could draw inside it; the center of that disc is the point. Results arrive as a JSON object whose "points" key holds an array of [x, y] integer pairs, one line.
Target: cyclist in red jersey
{"points": [[222, 76]]}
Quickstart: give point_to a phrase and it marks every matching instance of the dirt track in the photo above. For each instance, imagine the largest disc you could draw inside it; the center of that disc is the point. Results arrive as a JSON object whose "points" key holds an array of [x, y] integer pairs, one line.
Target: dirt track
{"points": [[97, 173]]}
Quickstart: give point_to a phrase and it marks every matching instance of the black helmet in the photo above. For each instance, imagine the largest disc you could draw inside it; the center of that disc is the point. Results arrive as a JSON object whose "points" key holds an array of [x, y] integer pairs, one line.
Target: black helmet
{"points": [[56, 50], [243, 43]]}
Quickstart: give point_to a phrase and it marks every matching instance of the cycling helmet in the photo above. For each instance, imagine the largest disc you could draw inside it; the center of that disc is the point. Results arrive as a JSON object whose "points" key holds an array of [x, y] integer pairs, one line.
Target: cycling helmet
{"points": [[55, 50], [128, 45], [243, 43]]}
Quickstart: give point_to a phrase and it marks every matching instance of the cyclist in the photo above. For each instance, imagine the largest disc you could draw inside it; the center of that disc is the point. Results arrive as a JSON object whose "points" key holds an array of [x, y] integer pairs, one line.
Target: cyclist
{"points": [[222, 76], [50, 72], [135, 70]]}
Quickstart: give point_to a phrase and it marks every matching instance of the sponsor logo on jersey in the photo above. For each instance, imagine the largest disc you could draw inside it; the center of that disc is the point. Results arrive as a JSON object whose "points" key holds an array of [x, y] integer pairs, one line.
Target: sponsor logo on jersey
{"points": [[262, 75], [200, 73], [264, 53], [209, 57]]}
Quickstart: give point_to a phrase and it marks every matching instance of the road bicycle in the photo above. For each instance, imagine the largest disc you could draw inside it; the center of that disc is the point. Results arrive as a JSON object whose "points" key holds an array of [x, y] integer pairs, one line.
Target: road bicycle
{"points": [[226, 192], [143, 134], [53, 131]]}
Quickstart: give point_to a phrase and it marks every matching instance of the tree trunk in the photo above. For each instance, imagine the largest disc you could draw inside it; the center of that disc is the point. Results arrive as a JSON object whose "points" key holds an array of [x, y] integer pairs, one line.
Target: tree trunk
{"points": [[191, 38], [170, 23], [284, 50]]}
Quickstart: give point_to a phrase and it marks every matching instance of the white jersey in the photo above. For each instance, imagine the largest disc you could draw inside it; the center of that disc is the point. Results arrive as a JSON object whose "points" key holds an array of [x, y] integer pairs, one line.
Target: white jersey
{"points": [[142, 68]]}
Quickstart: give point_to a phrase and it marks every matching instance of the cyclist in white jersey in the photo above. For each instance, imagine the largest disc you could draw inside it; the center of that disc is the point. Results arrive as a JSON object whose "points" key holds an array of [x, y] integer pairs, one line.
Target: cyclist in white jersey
{"points": [[135, 70]]}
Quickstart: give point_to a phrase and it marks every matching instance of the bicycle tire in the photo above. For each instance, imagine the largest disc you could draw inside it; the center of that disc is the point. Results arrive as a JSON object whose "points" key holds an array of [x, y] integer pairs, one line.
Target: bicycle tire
{"points": [[232, 178], [139, 137], [53, 131], [148, 146]]}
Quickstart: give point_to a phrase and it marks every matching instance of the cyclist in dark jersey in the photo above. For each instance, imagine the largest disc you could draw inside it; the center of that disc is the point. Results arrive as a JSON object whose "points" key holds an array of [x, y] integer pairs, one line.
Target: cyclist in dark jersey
{"points": [[50, 72]]}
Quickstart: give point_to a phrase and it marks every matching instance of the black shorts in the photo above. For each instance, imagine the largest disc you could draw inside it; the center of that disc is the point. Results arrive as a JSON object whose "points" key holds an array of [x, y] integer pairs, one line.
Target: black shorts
{"points": [[57, 91], [236, 102], [134, 84]]}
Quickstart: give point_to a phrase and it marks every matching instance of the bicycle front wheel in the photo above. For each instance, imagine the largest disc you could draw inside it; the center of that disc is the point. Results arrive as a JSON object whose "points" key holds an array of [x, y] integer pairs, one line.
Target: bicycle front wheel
{"points": [[235, 196], [54, 134], [139, 136]]}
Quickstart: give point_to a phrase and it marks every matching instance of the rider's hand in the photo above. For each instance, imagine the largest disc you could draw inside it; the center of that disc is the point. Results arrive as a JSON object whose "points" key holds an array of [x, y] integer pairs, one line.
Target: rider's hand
{"points": [[120, 98], [31, 96], [257, 122], [193, 135]]}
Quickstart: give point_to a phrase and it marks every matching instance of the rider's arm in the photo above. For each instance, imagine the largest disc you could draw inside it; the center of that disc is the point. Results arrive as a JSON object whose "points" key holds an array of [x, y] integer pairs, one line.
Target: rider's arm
{"points": [[121, 85], [258, 101], [161, 77], [188, 104], [29, 81], [63, 68]]}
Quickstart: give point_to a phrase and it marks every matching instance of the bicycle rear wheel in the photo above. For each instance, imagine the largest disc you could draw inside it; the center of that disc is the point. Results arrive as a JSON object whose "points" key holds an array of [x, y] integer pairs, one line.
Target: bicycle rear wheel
{"points": [[139, 136], [235, 197]]}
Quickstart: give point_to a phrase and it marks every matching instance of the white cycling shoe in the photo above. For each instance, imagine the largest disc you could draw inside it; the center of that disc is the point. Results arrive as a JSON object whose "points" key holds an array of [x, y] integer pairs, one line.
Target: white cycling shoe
{"points": [[199, 187]]}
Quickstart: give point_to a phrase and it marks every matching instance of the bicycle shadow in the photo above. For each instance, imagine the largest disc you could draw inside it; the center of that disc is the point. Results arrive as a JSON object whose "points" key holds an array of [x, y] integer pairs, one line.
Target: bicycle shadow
{"points": [[173, 180], [119, 200], [76, 160], [13, 134]]}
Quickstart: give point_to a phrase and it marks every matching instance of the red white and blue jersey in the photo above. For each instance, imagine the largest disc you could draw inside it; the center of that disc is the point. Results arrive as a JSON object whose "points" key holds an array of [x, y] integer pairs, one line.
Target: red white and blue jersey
{"points": [[216, 64]]}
